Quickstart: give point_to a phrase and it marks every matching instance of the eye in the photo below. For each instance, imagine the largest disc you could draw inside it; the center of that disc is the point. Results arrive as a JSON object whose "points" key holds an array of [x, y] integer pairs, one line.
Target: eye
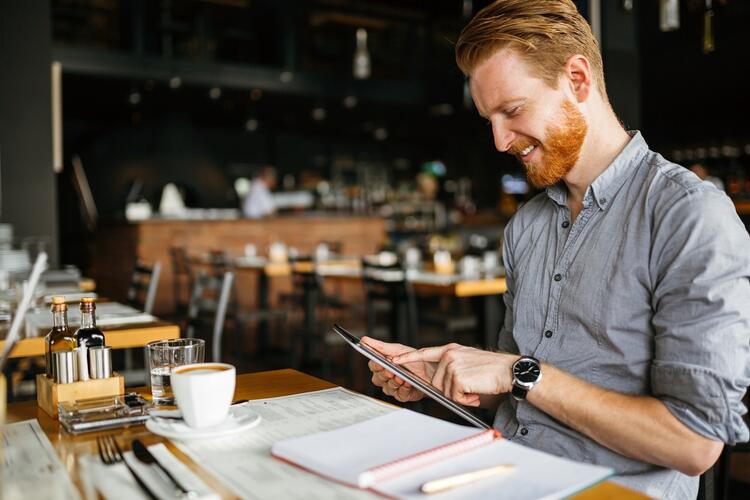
{"points": [[510, 113]]}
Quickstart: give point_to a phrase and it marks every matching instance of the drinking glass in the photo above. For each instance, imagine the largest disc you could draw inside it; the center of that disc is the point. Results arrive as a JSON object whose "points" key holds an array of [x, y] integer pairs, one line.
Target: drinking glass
{"points": [[163, 356]]}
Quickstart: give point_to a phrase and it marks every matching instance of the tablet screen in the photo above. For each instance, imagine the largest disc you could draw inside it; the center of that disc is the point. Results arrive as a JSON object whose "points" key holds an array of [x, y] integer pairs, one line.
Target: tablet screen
{"points": [[420, 384]]}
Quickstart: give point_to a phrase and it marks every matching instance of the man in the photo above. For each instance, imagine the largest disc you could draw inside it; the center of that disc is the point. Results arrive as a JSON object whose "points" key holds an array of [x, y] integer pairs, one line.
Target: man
{"points": [[628, 284], [259, 203]]}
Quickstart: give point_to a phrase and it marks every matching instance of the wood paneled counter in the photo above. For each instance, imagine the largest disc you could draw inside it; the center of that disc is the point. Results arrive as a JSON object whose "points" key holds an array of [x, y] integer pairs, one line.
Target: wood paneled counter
{"points": [[119, 246]]}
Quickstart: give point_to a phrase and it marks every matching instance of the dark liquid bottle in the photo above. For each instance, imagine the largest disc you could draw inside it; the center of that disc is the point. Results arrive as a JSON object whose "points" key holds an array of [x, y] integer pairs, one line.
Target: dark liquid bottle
{"points": [[60, 338], [88, 335]]}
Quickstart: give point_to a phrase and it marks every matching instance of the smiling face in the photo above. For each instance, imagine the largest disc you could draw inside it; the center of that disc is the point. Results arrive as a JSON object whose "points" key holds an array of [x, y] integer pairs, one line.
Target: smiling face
{"points": [[538, 124]]}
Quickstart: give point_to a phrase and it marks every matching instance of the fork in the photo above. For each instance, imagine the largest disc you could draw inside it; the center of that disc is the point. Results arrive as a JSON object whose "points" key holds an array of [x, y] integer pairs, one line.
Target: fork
{"points": [[110, 454]]}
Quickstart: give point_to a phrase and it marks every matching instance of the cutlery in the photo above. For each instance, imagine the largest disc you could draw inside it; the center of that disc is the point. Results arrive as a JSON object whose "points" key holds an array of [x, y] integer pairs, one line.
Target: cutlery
{"points": [[141, 453], [111, 454]]}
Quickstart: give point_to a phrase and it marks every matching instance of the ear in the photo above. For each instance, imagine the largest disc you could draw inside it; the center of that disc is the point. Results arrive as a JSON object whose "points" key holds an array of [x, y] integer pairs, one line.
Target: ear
{"points": [[578, 74]]}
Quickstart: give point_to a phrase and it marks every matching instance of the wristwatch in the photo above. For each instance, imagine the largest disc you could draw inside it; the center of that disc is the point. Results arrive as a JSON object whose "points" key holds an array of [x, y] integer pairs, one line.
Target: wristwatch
{"points": [[527, 372]]}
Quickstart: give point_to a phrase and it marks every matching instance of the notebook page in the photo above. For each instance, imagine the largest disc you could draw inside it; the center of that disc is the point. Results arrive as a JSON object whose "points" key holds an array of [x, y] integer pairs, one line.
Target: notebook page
{"points": [[538, 475], [345, 453]]}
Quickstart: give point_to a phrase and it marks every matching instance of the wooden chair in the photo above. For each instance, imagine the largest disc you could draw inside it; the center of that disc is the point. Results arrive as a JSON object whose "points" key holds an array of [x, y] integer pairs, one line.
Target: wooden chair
{"points": [[209, 301], [182, 281]]}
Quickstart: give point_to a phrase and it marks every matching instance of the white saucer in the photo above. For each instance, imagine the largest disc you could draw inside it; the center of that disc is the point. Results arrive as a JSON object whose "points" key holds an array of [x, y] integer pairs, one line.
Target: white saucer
{"points": [[241, 417]]}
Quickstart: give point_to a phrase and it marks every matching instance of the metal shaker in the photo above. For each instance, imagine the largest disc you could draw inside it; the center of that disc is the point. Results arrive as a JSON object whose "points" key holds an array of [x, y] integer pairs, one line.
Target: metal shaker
{"points": [[100, 362], [66, 367]]}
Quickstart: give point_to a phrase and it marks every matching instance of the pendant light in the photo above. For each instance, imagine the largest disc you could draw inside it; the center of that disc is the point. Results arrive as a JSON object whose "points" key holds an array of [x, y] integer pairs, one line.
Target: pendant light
{"points": [[361, 64]]}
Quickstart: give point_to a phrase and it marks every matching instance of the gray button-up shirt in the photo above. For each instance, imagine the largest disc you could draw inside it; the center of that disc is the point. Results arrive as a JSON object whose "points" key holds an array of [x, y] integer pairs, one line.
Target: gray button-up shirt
{"points": [[647, 292]]}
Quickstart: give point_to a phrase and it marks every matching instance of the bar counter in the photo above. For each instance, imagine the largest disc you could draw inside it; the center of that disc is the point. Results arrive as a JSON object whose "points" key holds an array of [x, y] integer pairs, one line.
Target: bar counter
{"points": [[120, 245]]}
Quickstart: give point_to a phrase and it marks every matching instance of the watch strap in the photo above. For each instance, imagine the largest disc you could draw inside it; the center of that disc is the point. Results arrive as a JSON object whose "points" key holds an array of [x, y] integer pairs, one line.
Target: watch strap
{"points": [[519, 392]]}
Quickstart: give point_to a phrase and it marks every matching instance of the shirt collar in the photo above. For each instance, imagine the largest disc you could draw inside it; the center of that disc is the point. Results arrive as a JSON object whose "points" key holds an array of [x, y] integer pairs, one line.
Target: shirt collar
{"points": [[609, 182]]}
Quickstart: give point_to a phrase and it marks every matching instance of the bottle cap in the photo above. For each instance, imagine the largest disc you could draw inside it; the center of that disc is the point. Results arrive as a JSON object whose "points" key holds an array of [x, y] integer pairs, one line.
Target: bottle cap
{"points": [[58, 299], [88, 303]]}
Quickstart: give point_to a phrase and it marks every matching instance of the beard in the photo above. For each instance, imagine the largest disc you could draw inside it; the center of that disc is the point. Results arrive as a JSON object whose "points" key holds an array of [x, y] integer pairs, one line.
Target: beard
{"points": [[561, 148]]}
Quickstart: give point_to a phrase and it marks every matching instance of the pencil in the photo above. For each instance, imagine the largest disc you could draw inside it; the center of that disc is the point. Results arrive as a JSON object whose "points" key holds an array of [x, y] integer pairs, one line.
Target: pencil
{"points": [[446, 483]]}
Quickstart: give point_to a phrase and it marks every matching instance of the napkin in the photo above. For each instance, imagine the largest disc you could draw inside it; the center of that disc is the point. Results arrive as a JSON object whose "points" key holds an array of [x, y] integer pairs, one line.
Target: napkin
{"points": [[114, 482]]}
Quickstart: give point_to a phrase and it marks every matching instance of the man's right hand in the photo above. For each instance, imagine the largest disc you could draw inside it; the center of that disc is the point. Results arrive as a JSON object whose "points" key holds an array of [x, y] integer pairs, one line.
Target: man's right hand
{"points": [[391, 384]]}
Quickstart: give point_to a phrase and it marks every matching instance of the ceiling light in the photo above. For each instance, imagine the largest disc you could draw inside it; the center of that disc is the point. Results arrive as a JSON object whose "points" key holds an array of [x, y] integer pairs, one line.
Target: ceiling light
{"points": [[134, 98], [175, 82], [350, 101], [361, 64], [319, 113], [214, 93], [251, 125], [380, 134]]}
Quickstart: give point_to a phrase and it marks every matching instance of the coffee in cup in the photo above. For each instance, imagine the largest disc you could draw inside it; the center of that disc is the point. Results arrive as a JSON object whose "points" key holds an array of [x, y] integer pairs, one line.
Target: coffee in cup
{"points": [[204, 392]]}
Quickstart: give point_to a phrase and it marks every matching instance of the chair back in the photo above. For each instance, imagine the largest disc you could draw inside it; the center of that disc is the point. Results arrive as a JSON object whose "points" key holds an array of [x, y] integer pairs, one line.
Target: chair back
{"points": [[209, 300], [143, 285], [182, 277], [389, 283]]}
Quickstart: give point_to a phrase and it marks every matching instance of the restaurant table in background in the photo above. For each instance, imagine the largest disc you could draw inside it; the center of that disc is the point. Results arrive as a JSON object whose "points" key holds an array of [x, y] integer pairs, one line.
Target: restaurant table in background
{"points": [[249, 386]]}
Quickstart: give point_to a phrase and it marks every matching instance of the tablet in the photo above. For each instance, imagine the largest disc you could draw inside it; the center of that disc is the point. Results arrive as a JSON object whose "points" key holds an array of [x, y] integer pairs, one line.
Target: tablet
{"points": [[426, 388]]}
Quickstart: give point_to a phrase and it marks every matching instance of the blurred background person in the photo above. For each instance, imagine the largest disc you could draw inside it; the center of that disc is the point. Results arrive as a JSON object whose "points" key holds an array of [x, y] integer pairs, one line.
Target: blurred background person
{"points": [[259, 203], [702, 172]]}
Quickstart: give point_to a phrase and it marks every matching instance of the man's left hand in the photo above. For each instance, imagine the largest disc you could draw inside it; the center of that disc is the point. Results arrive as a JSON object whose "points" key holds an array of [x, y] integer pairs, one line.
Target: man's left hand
{"points": [[465, 373]]}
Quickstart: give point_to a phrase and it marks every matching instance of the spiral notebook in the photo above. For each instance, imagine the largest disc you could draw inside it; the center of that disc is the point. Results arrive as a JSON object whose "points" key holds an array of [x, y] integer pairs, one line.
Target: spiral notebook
{"points": [[396, 453]]}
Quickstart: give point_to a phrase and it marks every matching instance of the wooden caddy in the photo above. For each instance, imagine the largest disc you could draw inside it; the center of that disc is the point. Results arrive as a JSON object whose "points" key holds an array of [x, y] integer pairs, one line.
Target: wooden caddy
{"points": [[48, 393]]}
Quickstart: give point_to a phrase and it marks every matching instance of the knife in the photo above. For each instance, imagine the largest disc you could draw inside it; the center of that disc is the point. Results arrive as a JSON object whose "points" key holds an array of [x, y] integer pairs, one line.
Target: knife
{"points": [[141, 453]]}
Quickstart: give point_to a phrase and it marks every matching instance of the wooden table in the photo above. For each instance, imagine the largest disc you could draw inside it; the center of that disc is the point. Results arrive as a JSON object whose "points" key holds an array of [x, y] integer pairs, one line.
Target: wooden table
{"points": [[249, 386], [117, 337]]}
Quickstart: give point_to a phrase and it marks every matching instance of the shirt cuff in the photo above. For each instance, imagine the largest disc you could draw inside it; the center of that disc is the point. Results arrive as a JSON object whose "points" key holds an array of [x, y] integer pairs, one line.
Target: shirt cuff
{"points": [[705, 401]]}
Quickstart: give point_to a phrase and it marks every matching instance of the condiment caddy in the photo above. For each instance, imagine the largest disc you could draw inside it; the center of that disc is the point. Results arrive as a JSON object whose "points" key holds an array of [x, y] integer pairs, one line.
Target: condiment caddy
{"points": [[79, 363]]}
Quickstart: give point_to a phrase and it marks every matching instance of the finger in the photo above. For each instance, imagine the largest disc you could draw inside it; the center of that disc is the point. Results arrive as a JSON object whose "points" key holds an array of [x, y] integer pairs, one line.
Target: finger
{"points": [[387, 348], [374, 367], [405, 394], [438, 378], [467, 399], [432, 354]]}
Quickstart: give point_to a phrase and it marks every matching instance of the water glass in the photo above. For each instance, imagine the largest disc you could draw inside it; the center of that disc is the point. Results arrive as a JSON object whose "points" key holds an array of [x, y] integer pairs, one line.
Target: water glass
{"points": [[163, 356]]}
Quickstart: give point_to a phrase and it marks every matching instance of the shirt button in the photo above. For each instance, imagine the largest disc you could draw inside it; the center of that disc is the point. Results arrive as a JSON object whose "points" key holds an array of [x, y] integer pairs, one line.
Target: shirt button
{"points": [[548, 334], [524, 431], [557, 277], [604, 201], [565, 224]]}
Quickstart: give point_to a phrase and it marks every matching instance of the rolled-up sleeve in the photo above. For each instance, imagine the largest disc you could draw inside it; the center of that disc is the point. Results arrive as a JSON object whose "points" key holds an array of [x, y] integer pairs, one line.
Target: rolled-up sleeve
{"points": [[700, 265]]}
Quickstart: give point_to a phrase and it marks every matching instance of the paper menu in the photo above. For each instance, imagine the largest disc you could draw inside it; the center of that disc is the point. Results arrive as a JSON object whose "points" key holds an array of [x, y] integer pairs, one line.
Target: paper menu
{"points": [[28, 463], [243, 462]]}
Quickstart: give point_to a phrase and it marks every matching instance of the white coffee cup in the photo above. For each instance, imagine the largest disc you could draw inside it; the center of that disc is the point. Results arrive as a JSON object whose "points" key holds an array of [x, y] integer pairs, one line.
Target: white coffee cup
{"points": [[203, 392]]}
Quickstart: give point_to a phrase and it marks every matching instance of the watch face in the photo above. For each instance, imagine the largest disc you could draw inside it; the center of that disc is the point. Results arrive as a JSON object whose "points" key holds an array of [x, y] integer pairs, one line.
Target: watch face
{"points": [[526, 371]]}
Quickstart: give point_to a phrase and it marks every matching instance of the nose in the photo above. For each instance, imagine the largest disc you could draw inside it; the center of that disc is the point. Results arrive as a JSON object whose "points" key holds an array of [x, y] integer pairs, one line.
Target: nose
{"points": [[502, 136]]}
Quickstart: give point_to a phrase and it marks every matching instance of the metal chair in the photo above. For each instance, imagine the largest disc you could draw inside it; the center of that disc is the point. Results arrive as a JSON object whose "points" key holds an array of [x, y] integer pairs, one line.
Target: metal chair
{"points": [[261, 315], [388, 290], [144, 283], [318, 308], [210, 299], [143, 286]]}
